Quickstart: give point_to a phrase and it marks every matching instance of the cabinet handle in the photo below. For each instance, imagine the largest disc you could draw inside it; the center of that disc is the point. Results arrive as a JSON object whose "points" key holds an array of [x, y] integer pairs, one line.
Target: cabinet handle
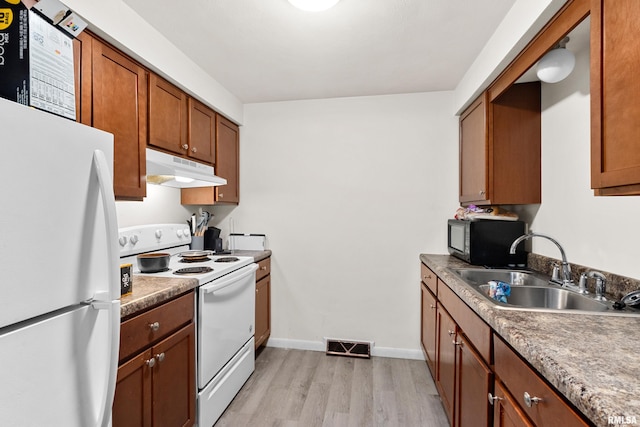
{"points": [[263, 268], [493, 398], [451, 333], [154, 326], [185, 146], [194, 149], [151, 362], [432, 306], [160, 357], [459, 343], [426, 276], [482, 192], [528, 400], [220, 195]]}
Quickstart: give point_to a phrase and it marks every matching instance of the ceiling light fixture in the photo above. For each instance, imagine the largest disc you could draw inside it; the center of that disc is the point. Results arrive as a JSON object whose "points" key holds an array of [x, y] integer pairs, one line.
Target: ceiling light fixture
{"points": [[556, 64], [314, 5]]}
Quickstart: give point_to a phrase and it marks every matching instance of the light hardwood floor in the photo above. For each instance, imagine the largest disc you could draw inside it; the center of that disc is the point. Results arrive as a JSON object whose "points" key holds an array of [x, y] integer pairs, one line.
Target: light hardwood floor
{"points": [[296, 388]]}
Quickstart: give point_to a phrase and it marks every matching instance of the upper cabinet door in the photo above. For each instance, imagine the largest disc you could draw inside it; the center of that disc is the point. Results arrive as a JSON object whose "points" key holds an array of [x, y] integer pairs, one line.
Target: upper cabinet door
{"points": [[114, 99], [167, 116], [227, 155], [615, 90], [202, 132], [474, 143]]}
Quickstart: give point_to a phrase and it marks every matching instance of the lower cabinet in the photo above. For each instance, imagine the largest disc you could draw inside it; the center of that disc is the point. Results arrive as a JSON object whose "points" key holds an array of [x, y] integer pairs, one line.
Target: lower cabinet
{"points": [[480, 379], [428, 327], [463, 378], [532, 395], [263, 302], [506, 412], [156, 386]]}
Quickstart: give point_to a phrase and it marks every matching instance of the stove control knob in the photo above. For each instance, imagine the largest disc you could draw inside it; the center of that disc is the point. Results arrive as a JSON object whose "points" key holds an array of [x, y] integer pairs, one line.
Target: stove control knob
{"points": [[158, 234], [133, 239], [179, 233], [186, 232], [122, 240]]}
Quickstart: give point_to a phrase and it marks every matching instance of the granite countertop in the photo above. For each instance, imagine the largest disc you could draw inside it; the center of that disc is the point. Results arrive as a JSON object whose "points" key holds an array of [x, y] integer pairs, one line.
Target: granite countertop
{"points": [[593, 360], [149, 291]]}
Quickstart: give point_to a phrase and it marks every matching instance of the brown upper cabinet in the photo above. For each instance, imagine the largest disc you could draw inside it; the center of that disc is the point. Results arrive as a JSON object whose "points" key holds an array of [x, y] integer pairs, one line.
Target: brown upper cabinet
{"points": [[202, 132], [113, 97], [168, 116], [180, 124], [615, 89], [500, 148], [227, 166], [500, 132], [227, 152]]}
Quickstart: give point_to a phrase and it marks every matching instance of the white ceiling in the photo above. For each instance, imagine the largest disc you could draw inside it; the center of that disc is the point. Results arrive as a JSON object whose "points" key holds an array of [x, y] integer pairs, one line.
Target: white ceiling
{"points": [[266, 50]]}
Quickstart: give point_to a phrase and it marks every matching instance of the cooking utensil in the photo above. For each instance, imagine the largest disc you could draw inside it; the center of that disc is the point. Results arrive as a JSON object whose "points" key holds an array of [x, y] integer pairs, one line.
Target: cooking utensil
{"points": [[153, 262]]}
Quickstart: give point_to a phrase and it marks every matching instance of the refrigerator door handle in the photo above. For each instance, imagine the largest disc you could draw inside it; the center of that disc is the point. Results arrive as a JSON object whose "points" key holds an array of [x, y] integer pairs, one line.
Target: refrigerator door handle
{"points": [[111, 219], [107, 299]]}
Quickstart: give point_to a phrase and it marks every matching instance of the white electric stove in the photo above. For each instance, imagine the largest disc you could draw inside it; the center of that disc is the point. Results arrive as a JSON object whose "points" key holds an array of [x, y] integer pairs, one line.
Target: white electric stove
{"points": [[225, 310]]}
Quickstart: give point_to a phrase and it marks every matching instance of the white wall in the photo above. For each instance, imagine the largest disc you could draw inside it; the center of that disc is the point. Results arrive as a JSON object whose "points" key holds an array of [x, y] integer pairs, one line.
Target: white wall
{"points": [[598, 232], [161, 206], [349, 192], [525, 19]]}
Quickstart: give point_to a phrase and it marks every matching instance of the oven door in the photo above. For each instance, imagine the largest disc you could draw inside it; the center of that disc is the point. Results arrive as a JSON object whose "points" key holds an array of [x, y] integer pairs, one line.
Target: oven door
{"points": [[226, 313]]}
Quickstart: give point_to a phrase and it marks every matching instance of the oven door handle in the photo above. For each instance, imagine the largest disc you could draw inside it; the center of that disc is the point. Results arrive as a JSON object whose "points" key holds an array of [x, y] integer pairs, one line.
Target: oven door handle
{"points": [[229, 280]]}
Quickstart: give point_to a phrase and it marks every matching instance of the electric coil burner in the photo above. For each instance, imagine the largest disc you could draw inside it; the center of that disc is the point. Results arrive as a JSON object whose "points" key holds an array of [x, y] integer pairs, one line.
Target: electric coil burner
{"points": [[192, 260], [193, 270], [227, 259]]}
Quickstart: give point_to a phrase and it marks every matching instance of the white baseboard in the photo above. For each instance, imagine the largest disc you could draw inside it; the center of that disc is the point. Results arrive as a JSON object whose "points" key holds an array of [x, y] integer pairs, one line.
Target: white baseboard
{"points": [[396, 353]]}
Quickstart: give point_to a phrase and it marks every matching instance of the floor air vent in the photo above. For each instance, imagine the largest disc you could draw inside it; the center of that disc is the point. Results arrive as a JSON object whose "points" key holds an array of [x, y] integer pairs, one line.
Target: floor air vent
{"points": [[349, 348]]}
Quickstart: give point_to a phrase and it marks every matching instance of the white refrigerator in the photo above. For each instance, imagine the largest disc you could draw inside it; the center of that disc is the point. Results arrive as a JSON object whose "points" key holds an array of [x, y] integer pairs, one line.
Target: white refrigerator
{"points": [[59, 269]]}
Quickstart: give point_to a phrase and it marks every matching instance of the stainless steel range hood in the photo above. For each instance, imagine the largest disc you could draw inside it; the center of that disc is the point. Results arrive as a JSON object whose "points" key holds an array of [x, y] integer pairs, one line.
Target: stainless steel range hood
{"points": [[173, 171]]}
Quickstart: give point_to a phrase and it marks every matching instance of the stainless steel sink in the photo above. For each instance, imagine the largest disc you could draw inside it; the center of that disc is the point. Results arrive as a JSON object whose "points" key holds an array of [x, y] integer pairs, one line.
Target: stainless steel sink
{"points": [[513, 277], [531, 291], [548, 297]]}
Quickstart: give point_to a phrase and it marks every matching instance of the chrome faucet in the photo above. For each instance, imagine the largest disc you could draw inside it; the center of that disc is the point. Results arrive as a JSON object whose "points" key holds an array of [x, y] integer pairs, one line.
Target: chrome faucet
{"points": [[601, 283], [566, 268]]}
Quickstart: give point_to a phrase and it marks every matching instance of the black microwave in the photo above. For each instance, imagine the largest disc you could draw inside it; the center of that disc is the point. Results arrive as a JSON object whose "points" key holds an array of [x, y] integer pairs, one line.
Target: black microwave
{"points": [[486, 242]]}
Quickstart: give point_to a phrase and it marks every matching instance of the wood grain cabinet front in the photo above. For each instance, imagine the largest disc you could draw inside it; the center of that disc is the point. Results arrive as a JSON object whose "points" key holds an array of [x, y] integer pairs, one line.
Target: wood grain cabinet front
{"points": [[168, 116], [615, 89], [113, 98], [227, 155], [263, 302], [180, 124], [156, 377], [534, 397], [500, 157]]}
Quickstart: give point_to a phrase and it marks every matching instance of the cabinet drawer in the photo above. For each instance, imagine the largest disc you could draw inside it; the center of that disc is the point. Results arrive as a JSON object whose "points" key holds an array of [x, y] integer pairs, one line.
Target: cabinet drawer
{"points": [[264, 268], [429, 278], [478, 332], [519, 379], [155, 324]]}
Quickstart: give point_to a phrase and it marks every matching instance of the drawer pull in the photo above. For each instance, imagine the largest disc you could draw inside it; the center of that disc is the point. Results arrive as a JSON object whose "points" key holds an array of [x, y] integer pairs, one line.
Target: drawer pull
{"points": [[160, 357], [154, 326], [493, 398], [451, 333], [458, 343], [263, 268], [528, 400], [432, 306], [426, 276], [185, 146], [151, 362]]}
